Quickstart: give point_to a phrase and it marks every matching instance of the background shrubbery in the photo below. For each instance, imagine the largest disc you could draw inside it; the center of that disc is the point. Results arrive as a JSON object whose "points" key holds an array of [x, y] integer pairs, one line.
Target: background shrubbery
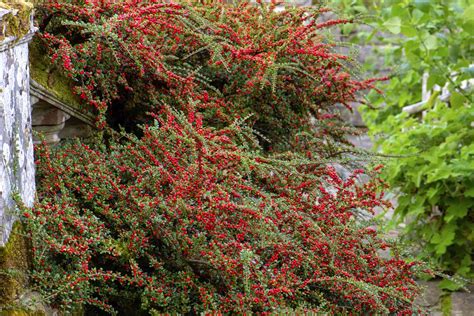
{"points": [[428, 46]]}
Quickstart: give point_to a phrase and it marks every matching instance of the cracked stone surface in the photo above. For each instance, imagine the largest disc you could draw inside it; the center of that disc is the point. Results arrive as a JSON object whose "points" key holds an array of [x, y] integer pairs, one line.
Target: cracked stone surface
{"points": [[16, 145]]}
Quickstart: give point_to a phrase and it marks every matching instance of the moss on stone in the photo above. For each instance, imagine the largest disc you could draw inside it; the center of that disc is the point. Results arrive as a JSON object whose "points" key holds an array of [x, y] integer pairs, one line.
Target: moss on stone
{"points": [[446, 304], [17, 22], [46, 74], [14, 265], [15, 259], [21, 312], [14, 313]]}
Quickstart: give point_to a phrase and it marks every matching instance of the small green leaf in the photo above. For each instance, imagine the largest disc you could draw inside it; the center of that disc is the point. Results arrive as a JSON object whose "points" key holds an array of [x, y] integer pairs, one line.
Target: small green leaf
{"points": [[399, 10], [393, 25], [468, 14], [418, 176], [457, 99], [432, 100], [431, 42], [468, 19], [418, 206], [423, 5], [408, 30], [432, 192], [465, 265], [449, 285], [417, 16], [441, 173], [435, 78], [469, 192], [444, 238], [457, 209]]}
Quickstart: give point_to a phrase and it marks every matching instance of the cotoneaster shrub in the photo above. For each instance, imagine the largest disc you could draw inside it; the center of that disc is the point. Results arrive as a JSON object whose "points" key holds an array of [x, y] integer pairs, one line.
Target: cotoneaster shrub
{"points": [[190, 219], [187, 214], [129, 57]]}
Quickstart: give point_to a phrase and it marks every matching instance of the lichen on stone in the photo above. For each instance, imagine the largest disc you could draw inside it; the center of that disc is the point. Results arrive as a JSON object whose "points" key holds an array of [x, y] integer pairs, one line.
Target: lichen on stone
{"points": [[16, 21], [446, 304]]}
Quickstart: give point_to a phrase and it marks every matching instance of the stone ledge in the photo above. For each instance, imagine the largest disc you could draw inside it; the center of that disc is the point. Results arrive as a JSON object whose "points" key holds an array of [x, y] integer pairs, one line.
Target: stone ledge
{"points": [[11, 41], [42, 93]]}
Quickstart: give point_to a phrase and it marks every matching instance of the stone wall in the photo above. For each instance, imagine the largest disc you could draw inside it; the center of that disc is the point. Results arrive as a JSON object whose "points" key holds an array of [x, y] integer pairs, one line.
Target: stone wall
{"points": [[16, 146]]}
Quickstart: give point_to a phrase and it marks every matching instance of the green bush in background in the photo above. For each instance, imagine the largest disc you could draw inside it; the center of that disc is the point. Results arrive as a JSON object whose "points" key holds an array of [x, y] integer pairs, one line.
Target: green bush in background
{"points": [[427, 45]]}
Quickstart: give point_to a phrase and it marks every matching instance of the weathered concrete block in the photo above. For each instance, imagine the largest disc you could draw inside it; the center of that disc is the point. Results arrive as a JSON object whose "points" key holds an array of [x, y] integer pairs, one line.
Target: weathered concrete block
{"points": [[17, 173], [76, 128]]}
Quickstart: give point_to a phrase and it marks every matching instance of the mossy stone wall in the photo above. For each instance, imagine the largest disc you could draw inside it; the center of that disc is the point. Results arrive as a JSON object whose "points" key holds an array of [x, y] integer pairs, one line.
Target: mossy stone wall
{"points": [[14, 265], [16, 147]]}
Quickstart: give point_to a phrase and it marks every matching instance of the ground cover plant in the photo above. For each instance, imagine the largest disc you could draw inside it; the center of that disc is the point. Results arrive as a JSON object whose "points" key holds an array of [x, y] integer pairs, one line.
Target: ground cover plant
{"points": [[203, 207]]}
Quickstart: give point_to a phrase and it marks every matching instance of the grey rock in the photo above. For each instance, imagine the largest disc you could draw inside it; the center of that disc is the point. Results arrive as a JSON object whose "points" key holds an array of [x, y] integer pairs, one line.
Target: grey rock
{"points": [[431, 294], [17, 172], [463, 303]]}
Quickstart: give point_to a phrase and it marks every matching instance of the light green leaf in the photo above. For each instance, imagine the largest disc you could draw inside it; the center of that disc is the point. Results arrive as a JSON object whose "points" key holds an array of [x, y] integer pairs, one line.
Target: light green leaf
{"points": [[418, 206], [468, 19], [431, 42], [468, 14], [393, 25], [449, 285], [457, 99], [443, 172], [408, 30], [432, 100], [435, 78], [418, 177], [444, 238], [432, 192], [417, 16]]}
